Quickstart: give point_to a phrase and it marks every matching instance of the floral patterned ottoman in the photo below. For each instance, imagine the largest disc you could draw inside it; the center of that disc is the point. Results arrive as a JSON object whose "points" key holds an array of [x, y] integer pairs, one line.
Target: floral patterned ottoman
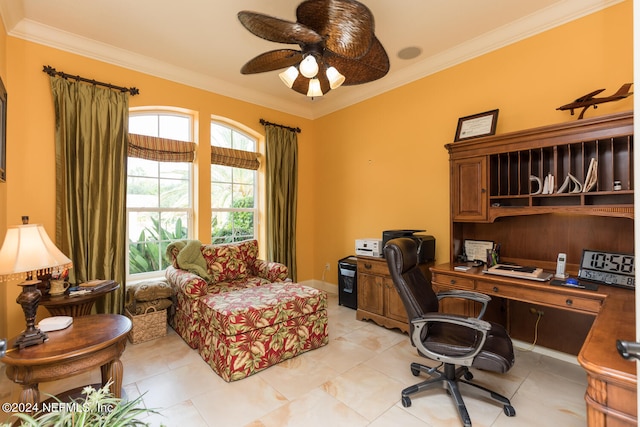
{"points": [[251, 329]]}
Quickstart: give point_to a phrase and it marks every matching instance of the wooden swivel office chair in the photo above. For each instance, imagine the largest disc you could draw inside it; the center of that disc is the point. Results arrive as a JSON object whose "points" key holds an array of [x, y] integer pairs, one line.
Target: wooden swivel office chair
{"points": [[448, 338]]}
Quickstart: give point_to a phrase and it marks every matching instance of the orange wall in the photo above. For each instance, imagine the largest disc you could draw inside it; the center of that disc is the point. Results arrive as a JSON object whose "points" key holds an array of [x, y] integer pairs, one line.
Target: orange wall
{"points": [[382, 164], [370, 167]]}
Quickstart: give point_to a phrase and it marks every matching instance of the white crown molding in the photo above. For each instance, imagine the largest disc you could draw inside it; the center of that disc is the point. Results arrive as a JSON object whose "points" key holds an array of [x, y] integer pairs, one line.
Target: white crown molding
{"points": [[550, 17], [68, 42]]}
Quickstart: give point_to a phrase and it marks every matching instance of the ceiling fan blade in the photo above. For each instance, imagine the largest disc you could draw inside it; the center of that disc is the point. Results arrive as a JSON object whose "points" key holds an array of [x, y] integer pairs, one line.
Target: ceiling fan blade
{"points": [[301, 84], [276, 29], [346, 25], [272, 60], [373, 66]]}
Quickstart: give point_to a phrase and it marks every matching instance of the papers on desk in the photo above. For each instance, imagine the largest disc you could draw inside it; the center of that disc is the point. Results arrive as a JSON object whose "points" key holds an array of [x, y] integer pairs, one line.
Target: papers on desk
{"points": [[519, 272]]}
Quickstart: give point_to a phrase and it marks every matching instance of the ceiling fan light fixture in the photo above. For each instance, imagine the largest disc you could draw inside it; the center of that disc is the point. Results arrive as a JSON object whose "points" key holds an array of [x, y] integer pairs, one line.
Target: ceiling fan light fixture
{"points": [[335, 78], [338, 33], [289, 76], [314, 88], [309, 66]]}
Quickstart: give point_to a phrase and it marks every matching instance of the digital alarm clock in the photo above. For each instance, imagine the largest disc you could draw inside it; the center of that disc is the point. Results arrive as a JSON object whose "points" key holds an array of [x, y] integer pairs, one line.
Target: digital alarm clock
{"points": [[608, 268]]}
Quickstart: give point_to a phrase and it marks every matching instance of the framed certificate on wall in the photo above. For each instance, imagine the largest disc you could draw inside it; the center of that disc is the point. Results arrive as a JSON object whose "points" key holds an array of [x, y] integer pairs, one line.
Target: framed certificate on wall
{"points": [[478, 125]]}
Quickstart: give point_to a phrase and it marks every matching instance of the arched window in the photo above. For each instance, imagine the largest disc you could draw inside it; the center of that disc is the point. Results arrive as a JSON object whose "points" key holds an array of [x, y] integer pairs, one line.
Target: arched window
{"points": [[159, 187], [234, 204]]}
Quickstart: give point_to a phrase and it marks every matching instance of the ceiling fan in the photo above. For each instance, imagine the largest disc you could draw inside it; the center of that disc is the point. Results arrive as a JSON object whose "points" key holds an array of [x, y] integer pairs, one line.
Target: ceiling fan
{"points": [[337, 46]]}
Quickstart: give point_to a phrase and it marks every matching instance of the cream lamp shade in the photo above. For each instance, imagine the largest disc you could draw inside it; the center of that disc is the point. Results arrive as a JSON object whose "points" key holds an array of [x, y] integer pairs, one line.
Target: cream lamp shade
{"points": [[26, 249]]}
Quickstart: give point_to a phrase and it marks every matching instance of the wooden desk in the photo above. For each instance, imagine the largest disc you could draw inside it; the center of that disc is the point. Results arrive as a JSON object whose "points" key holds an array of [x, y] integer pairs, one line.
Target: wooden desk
{"points": [[91, 341], [612, 380], [75, 306]]}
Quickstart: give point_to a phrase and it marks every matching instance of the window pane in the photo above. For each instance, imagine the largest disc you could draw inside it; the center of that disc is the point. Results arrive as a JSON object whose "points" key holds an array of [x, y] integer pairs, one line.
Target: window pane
{"points": [[142, 167], [142, 225], [142, 192], [221, 195], [144, 125], [220, 136], [175, 127], [173, 226], [242, 142], [149, 235], [221, 173], [176, 170], [242, 225], [242, 196], [220, 228], [174, 193], [143, 258], [244, 176], [232, 226]]}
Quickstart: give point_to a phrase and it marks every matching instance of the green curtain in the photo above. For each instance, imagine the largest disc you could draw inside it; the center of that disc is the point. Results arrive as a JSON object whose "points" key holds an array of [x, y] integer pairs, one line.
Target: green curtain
{"points": [[282, 195], [91, 177]]}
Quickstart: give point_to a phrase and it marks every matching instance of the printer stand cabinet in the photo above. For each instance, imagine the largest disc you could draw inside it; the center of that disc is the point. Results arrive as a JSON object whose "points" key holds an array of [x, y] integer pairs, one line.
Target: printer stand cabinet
{"points": [[378, 299]]}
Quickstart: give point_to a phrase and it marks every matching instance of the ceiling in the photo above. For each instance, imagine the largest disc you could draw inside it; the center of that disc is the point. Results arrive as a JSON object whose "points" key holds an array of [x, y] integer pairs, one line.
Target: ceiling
{"points": [[201, 43]]}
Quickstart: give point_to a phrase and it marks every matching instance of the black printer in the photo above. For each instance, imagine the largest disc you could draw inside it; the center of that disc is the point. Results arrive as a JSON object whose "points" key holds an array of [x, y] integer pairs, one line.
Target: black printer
{"points": [[426, 244]]}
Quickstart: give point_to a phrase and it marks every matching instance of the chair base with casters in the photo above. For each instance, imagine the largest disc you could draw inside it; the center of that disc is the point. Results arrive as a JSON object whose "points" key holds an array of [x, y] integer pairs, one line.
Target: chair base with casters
{"points": [[449, 380]]}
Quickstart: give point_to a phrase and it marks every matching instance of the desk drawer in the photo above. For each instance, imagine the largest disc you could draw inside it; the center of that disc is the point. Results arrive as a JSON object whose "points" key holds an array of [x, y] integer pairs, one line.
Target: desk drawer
{"points": [[451, 281], [538, 296], [373, 266]]}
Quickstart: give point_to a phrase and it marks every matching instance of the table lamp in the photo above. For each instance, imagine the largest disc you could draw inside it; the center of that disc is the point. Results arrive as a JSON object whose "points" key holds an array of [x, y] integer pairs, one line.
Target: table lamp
{"points": [[26, 252]]}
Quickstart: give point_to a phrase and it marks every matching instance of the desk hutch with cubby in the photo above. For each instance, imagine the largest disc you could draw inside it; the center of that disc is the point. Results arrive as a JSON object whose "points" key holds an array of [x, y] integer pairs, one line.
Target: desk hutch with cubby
{"points": [[493, 198]]}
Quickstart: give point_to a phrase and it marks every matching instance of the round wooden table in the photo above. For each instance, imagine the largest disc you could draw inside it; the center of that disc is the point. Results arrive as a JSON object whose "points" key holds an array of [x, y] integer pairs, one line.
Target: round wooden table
{"points": [[75, 306], [90, 342]]}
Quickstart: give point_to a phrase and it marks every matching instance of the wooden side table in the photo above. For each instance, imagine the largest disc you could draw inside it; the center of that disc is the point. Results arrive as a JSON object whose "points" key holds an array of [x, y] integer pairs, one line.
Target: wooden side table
{"points": [[75, 306], [90, 342]]}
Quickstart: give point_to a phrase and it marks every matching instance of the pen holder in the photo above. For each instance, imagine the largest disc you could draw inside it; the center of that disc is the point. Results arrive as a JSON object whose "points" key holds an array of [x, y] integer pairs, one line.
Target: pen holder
{"points": [[492, 258]]}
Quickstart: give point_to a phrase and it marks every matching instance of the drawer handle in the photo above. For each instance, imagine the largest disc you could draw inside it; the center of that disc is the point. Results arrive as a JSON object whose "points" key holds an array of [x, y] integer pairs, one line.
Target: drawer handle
{"points": [[495, 289], [367, 266], [452, 281], [569, 301]]}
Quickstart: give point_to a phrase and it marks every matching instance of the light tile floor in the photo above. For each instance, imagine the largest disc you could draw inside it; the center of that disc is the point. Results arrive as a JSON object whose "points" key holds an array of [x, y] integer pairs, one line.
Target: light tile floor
{"points": [[353, 381]]}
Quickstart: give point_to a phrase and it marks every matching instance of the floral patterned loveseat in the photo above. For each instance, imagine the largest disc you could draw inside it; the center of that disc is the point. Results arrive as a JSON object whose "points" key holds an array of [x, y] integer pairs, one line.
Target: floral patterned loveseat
{"points": [[239, 312]]}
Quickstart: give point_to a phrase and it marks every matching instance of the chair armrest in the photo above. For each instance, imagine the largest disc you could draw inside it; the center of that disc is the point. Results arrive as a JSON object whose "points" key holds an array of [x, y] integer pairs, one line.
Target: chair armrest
{"points": [[481, 326], [185, 282], [469, 295], [270, 270]]}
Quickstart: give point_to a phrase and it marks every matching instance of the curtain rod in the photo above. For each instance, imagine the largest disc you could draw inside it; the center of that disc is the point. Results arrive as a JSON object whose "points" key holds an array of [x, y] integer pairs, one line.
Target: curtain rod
{"points": [[52, 72], [263, 122]]}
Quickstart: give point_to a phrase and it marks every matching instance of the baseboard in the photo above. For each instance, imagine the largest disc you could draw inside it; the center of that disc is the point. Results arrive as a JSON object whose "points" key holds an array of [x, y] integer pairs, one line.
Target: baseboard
{"points": [[525, 346], [323, 286]]}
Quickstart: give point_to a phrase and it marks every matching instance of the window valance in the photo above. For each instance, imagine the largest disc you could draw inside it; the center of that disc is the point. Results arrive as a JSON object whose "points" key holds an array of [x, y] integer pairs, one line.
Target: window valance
{"points": [[235, 158], [160, 149]]}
